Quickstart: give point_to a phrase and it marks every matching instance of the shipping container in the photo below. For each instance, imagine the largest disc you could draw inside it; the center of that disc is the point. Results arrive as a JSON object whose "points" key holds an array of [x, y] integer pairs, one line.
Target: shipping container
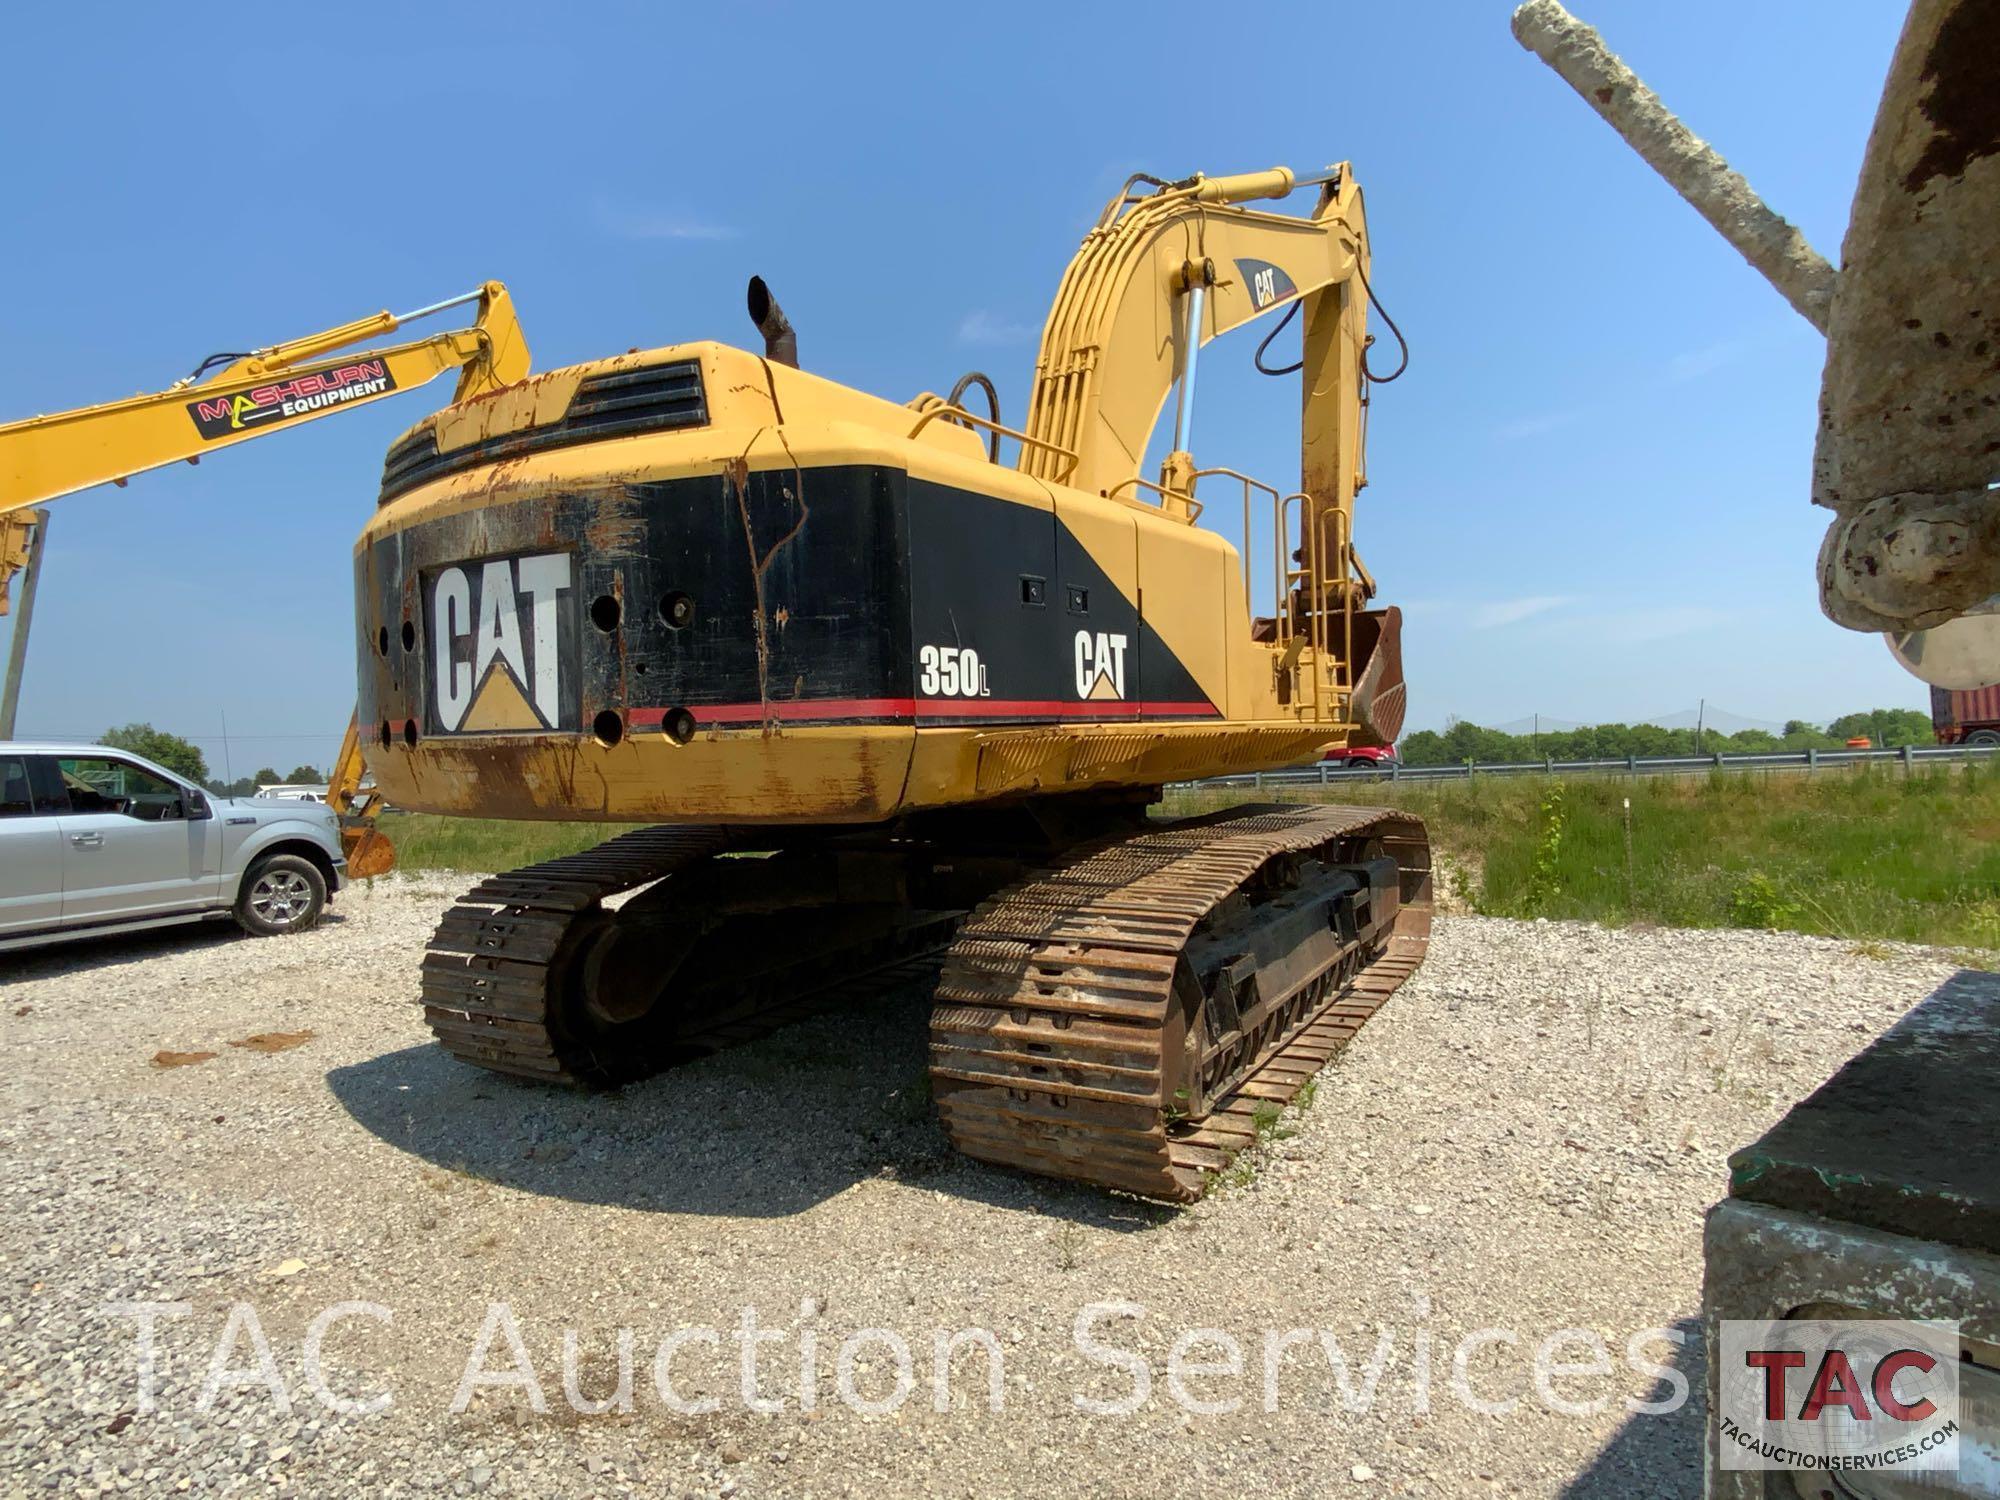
{"points": [[1969, 716]]}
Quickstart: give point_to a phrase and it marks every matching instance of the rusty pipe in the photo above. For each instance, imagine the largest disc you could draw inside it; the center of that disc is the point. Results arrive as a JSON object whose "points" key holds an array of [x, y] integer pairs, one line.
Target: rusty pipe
{"points": [[1909, 423], [781, 344], [1776, 248]]}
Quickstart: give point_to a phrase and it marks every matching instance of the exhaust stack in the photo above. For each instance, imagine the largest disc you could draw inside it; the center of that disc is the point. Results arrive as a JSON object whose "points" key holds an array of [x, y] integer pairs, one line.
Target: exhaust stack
{"points": [[781, 345]]}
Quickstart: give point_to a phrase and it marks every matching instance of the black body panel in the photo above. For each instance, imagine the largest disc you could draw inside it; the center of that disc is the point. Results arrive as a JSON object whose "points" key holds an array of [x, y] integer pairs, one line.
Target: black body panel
{"points": [[829, 595]]}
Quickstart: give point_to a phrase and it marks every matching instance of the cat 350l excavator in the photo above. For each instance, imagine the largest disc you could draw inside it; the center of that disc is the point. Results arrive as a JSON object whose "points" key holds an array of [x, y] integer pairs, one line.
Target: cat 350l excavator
{"points": [[890, 698]]}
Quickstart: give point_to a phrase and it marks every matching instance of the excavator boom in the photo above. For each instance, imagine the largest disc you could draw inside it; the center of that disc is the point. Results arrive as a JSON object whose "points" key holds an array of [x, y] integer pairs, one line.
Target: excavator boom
{"points": [[230, 399], [1191, 257], [44, 457], [1159, 276]]}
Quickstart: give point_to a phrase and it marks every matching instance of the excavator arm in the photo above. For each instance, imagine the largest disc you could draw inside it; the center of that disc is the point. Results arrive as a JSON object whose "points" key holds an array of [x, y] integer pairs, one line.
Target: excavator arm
{"points": [[45, 457], [1160, 275], [232, 398], [1163, 274]]}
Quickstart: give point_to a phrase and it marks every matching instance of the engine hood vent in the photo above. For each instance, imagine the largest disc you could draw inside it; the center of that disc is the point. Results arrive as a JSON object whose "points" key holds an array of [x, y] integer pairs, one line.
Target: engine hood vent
{"points": [[618, 403]]}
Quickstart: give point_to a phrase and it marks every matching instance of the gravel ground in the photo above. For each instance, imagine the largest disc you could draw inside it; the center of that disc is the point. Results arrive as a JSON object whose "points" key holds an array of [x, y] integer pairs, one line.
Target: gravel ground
{"points": [[1524, 1140]]}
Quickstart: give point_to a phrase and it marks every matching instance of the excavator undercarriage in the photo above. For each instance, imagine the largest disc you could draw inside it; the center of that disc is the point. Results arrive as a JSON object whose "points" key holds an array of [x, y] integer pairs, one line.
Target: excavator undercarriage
{"points": [[1116, 998]]}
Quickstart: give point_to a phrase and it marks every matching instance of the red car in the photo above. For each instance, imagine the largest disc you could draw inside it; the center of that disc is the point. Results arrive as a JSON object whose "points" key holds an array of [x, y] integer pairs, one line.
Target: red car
{"points": [[1364, 757]]}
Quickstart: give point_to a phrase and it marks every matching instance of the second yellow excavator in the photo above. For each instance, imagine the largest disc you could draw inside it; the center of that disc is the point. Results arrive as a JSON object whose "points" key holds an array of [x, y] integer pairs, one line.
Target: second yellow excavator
{"points": [[229, 399], [890, 698]]}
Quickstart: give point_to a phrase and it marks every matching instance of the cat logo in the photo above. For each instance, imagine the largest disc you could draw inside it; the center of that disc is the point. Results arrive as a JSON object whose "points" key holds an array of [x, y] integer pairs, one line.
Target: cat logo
{"points": [[500, 634], [1100, 665], [1266, 283]]}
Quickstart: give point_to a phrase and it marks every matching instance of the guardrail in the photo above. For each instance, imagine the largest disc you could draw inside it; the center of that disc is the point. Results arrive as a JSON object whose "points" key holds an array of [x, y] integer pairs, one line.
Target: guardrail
{"points": [[1789, 761]]}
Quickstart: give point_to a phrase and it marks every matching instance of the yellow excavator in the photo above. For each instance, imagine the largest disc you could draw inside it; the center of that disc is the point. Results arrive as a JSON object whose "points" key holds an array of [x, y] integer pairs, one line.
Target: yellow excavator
{"points": [[229, 399], [888, 698]]}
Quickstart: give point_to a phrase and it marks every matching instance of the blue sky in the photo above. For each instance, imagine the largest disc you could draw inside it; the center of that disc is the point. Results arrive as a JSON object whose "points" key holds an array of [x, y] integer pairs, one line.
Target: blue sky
{"points": [[1589, 493]]}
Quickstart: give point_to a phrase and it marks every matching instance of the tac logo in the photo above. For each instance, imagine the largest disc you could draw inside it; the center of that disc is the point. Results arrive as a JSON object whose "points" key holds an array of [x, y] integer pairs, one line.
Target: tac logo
{"points": [[301, 396], [1826, 1394], [502, 645], [1100, 665]]}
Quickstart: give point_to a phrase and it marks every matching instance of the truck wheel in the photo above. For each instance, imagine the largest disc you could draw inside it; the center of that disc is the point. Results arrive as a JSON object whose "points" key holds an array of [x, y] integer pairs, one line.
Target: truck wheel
{"points": [[1983, 737], [281, 893]]}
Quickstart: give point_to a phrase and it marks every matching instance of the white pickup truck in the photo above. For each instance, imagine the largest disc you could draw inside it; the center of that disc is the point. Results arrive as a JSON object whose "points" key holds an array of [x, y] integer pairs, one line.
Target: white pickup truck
{"points": [[95, 840]]}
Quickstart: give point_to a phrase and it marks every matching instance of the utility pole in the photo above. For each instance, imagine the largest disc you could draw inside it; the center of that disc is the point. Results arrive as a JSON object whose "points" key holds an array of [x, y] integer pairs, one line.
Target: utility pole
{"points": [[17, 647], [1700, 721]]}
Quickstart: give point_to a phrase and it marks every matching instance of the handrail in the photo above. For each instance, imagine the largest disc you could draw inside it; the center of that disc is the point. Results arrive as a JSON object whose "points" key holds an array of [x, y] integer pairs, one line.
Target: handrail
{"points": [[1278, 544], [1289, 576], [1196, 508], [1338, 550], [1343, 544], [1333, 557], [956, 413], [1186, 497]]}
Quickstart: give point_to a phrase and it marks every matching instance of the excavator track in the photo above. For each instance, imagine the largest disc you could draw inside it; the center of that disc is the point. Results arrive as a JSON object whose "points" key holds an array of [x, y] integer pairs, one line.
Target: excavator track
{"points": [[502, 970], [1068, 1008], [491, 967]]}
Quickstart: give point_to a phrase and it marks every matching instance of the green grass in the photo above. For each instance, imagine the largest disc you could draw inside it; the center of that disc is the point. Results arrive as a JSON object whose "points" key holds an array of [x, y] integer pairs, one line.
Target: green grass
{"points": [[483, 845], [1868, 855]]}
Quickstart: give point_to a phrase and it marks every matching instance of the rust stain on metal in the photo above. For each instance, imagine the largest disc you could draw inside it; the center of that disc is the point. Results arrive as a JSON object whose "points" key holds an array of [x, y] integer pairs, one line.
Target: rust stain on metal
{"points": [[618, 642], [1961, 104], [620, 529], [487, 777], [738, 472], [518, 477], [412, 609], [563, 765], [369, 852]]}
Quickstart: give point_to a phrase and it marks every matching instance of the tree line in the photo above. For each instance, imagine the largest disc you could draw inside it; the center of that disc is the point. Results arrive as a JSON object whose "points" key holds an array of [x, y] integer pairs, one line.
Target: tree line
{"points": [[184, 758], [1884, 728], [1461, 741]]}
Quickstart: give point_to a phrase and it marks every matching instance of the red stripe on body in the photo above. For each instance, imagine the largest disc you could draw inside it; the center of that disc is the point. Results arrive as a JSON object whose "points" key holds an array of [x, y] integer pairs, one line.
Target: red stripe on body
{"points": [[811, 709]]}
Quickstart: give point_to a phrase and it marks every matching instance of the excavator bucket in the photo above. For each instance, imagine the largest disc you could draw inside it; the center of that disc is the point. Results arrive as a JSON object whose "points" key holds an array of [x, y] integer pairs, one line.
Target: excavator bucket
{"points": [[1379, 695], [17, 531], [368, 851]]}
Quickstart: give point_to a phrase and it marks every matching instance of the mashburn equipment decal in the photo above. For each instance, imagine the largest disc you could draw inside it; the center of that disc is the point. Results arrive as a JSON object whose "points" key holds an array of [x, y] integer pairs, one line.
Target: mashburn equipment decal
{"points": [[501, 645], [284, 401]]}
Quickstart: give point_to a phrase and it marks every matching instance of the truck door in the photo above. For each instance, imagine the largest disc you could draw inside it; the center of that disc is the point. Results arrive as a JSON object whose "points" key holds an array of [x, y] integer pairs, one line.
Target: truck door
{"points": [[30, 854], [128, 849]]}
